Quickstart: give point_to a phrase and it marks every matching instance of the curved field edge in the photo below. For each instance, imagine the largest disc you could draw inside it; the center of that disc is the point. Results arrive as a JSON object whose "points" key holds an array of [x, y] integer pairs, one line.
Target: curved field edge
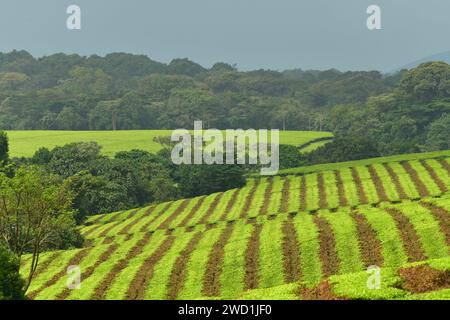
{"points": [[26, 143]]}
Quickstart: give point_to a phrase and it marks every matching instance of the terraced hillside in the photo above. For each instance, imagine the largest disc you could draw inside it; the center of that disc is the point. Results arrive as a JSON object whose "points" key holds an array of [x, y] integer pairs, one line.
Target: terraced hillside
{"points": [[293, 236]]}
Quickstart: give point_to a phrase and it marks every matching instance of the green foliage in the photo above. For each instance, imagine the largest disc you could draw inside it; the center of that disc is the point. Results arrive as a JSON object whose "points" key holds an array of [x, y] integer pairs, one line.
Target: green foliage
{"points": [[290, 157], [4, 147], [11, 284], [438, 137], [196, 180], [344, 149]]}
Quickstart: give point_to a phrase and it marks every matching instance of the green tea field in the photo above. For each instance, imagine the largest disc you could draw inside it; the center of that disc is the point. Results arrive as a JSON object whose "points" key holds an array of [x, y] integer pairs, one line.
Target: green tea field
{"points": [[296, 236], [25, 143]]}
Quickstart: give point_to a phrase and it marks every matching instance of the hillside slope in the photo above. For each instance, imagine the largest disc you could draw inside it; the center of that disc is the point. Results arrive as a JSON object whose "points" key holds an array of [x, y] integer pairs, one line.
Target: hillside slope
{"points": [[275, 231]]}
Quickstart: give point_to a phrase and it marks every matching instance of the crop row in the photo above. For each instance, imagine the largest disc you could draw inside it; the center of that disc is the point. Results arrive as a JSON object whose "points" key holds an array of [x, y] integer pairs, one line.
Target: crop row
{"points": [[230, 257], [348, 187]]}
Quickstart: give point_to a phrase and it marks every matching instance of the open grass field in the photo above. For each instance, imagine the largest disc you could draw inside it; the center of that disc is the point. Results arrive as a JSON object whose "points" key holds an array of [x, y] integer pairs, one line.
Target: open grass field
{"points": [[25, 143], [309, 236]]}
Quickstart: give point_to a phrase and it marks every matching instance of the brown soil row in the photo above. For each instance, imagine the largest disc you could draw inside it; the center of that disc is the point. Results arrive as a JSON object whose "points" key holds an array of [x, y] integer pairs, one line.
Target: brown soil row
{"points": [[166, 223], [323, 202], [369, 243], [42, 267], [341, 190], [359, 187], [303, 191], [398, 186], [267, 196], [112, 219], [132, 214], [421, 188], [442, 216], [445, 165], [108, 240], [291, 253], [179, 271], [145, 227], [323, 291], [89, 271], [192, 213], [420, 279], [251, 280], [128, 227], [100, 291], [211, 279], [139, 285], [249, 199], [441, 185], [230, 204], [73, 262], [284, 206], [211, 209], [328, 252], [378, 184], [92, 230], [105, 232], [411, 241]]}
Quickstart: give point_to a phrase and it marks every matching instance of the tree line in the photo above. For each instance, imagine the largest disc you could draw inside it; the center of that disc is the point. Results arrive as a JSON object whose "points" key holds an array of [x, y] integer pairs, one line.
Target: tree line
{"points": [[123, 91]]}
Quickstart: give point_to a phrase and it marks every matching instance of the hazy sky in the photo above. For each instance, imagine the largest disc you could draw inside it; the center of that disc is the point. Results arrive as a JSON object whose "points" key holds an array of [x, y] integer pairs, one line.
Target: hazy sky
{"points": [[270, 34]]}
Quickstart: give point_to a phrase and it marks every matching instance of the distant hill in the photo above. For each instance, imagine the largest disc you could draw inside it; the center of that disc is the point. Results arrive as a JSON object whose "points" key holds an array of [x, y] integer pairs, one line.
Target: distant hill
{"points": [[444, 56]]}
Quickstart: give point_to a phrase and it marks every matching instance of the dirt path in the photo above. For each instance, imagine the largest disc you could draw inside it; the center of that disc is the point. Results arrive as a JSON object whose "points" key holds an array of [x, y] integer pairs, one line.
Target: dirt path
{"points": [[323, 202], [328, 253], [192, 213], [411, 241], [441, 185], [378, 184], [139, 285], [211, 209], [267, 197], [89, 271], [445, 165], [249, 199], [442, 216], [291, 253], [421, 188], [211, 279], [179, 271], [146, 226], [341, 190], [100, 291], [420, 279], [359, 187], [166, 223], [80, 255], [369, 243], [303, 191], [230, 204], [251, 280], [105, 232], [398, 186], [284, 206]]}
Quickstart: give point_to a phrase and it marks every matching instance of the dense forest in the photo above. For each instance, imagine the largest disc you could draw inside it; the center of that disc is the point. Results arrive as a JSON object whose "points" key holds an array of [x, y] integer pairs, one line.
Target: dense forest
{"points": [[397, 113], [124, 91]]}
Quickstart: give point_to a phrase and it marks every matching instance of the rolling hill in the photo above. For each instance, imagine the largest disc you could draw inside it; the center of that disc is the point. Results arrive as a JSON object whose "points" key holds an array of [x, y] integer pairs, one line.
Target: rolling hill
{"points": [[300, 235]]}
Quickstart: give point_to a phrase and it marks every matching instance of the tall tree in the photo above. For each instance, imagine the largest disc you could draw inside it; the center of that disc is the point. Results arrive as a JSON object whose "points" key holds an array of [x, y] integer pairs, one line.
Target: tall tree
{"points": [[4, 147], [34, 211]]}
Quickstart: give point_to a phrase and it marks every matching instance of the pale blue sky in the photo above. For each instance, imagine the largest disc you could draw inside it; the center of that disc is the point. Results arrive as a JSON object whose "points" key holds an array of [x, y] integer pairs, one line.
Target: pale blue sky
{"points": [[271, 34]]}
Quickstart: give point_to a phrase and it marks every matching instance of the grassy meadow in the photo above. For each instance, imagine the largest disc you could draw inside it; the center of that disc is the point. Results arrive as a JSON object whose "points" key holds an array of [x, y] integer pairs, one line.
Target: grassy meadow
{"points": [[25, 143]]}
